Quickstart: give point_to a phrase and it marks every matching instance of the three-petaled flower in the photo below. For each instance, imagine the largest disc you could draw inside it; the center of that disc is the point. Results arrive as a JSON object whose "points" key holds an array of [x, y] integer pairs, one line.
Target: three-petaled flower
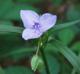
{"points": [[36, 25]]}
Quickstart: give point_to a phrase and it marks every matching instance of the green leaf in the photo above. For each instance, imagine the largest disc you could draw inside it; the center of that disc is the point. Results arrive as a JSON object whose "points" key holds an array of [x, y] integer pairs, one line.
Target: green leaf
{"points": [[18, 70], [15, 51], [68, 54], [2, 71], [66, 68], [76, 47], [6, 23], [65, 25], [12, 46], [66, 35], [53, 64], [51, 48], [59, 27], [9, 28]]}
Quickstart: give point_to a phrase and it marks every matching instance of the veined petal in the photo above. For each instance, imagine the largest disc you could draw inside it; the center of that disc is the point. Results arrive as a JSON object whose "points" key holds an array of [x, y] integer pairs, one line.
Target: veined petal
{"points": [[47, 21], [28, 17], [31, 34]]}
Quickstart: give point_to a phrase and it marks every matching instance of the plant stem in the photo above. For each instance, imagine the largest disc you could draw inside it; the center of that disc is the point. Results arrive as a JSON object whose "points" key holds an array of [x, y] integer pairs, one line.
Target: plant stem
{"points": [[41, 48], [45, 61], [39, 44]]}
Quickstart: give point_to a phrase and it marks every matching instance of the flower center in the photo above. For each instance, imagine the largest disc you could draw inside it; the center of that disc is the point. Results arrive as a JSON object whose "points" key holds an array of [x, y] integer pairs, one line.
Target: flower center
{"points": [[36, 26]]}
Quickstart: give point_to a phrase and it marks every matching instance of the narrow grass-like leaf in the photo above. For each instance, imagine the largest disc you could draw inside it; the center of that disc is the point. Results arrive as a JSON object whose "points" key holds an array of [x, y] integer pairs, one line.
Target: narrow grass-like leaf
{"points": [[63, 26], [69, 54], [17, 51], [53, 64], [9, 28], [18, 70]]}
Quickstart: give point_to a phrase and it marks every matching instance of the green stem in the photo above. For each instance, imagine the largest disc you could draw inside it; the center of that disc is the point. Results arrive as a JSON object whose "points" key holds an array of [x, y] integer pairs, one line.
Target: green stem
{"points": [[39, 44], [45, 61], [43, 53], [41, 48]]}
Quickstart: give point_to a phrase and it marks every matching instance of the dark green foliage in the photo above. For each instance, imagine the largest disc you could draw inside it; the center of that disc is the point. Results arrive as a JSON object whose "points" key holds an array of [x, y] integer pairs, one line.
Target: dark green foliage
{"points": [[61, 44]]}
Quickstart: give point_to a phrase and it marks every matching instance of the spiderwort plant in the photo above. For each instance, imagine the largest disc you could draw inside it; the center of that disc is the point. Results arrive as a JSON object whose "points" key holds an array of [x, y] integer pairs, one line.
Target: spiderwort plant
{"points": [[35, 25]]}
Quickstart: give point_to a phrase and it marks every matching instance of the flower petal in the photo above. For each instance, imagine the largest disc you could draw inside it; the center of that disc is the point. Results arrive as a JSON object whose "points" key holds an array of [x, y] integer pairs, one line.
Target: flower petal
{"points": [[47, 21], [31, 34], [28, 17]]}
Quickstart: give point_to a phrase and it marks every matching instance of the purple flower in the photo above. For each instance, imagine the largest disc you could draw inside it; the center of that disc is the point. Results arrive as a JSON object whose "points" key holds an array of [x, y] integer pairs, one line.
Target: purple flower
{"points": [[36, 25]]}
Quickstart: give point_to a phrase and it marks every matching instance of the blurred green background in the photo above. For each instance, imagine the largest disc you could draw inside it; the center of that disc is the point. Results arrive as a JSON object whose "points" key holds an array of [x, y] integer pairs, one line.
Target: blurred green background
{"points": [[62, 52]]}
